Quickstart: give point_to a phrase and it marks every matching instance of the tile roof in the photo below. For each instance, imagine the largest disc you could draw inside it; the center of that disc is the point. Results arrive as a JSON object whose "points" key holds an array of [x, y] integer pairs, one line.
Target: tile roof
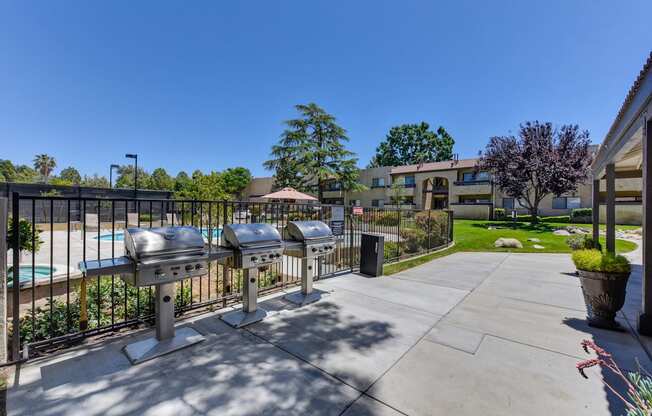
{"points": [[434, 166]]}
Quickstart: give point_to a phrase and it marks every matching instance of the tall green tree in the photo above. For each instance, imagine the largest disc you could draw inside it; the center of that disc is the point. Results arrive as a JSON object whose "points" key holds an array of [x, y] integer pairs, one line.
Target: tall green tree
{"points": [[44, 164], [409, 144], [236, 180], [70, 175], [25, 174], [7, 171], [312, 146], [208, 187], [182, 182], [160, 180], [95, 181], [126, 177]]}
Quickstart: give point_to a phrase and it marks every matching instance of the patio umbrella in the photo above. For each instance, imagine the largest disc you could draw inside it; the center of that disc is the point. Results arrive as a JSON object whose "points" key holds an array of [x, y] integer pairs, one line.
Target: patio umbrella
{"points": [[289, 194]]}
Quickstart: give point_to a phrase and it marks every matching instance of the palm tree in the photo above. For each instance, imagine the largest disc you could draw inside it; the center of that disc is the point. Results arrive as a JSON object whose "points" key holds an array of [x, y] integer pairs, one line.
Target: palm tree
{"points": [[44, 164]]}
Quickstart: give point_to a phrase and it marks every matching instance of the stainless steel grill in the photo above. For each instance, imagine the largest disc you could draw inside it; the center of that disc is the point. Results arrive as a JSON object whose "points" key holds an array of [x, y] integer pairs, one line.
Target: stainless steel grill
{"points": [[253, 246], [309, 240], [159, 257]]}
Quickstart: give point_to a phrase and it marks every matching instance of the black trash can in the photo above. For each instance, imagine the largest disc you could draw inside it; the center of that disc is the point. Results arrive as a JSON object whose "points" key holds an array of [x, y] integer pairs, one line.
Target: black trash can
{"points": [[372, 249]]}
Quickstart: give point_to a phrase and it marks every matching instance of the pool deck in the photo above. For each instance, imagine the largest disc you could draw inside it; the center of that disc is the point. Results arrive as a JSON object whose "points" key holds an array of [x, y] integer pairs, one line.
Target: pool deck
{"points": [[467, 334]]}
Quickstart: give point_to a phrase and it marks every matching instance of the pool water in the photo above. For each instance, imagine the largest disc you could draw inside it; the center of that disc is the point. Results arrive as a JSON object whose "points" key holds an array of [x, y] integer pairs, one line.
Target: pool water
{"points": [[40, 273], [120, 236]]}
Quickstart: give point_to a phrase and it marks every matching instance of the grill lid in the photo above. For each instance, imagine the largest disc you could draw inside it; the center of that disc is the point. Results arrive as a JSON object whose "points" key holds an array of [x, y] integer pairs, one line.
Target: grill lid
{"points": [[249, 235], [308, 230], [141, 243]]}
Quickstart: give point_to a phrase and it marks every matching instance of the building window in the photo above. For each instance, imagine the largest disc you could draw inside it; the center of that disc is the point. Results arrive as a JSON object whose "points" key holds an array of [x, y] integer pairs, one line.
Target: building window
{"points": [[475, 176], [508, 203], [409, 181], [573, 202], [566, 202], [354, 202], [378, 183], [559, 202], [470, 199], [377, 203], [333, 186]]}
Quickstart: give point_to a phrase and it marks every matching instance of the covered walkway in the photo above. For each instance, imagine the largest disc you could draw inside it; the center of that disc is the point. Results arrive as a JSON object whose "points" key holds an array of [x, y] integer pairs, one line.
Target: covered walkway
{"points": [[626, 152]]}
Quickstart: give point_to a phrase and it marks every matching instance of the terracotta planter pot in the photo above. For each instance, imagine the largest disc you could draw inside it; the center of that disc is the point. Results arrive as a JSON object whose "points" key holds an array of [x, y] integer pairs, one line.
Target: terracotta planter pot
{"points": [[604, 294]]}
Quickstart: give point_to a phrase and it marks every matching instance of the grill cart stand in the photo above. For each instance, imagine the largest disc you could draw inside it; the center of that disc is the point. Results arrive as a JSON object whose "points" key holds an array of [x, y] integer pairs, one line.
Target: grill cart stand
{"points": [[306, 295], [250, 311], [167, 339]]}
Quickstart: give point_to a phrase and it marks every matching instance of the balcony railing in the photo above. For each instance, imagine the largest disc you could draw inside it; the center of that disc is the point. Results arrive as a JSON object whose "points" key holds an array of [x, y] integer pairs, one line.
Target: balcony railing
{"points": [[468, 183]]}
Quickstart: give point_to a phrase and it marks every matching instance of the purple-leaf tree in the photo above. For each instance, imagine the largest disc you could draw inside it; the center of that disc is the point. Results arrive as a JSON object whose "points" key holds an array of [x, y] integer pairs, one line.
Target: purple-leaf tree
{"points": [[541, 160]]}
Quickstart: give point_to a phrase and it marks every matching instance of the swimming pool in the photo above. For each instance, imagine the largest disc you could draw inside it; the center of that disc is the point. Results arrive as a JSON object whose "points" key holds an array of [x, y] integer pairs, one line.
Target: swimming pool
{"points": [[41, 272], [120, 236]]}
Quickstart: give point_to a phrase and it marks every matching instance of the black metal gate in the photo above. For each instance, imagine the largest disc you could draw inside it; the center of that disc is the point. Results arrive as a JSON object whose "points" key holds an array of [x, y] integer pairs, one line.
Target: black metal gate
{"points": [[55, 304]]}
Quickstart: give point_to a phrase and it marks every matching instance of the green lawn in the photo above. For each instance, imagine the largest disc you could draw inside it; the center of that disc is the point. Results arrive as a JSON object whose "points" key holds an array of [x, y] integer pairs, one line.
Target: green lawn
{"points": [[475, 235]]}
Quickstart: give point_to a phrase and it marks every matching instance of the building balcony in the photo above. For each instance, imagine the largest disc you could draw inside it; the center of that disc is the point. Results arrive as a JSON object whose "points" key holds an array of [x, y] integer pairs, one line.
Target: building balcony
{"points": [[472, 188]]}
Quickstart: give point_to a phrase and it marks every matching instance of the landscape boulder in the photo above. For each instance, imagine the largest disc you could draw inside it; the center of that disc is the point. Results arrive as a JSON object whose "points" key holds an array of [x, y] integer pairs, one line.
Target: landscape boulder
{"points": [[538, 247], [534, 240], [561, 232], [508, 243]]}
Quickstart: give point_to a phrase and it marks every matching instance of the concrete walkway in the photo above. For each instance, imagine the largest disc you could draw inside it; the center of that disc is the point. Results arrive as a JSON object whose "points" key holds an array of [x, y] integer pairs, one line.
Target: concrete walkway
{"points": [[467, 334]]}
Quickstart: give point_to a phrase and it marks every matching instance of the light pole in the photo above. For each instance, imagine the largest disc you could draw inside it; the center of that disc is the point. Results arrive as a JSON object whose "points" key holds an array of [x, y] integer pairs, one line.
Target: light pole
{"points": [[135, 157], [111, 174]]}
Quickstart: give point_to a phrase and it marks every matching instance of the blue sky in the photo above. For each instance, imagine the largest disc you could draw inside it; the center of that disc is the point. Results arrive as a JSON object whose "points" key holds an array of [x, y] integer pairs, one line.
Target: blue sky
{"points": [[206, 85]]}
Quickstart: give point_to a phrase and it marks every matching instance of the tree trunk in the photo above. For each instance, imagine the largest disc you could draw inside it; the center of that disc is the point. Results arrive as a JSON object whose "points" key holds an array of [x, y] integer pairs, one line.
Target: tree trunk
{"points": [[320, 191], [534, 213]]}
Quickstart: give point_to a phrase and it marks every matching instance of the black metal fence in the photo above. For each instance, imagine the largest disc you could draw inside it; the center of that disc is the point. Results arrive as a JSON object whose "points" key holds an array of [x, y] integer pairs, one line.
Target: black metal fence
{"points": [[56, 305]]}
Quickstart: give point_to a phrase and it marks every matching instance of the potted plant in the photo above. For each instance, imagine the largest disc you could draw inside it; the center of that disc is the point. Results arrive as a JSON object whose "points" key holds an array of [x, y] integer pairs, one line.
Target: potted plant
{"points": [[604, 282]]}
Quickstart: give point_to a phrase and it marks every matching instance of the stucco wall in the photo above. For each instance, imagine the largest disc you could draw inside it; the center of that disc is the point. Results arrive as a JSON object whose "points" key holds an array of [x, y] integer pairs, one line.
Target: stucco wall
{"points": [[475, 212], [258, 187], [625, 214]]}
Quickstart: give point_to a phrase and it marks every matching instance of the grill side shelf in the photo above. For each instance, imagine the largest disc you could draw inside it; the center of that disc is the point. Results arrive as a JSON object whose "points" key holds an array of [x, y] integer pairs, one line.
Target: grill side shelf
{"points": [[109, 266]]}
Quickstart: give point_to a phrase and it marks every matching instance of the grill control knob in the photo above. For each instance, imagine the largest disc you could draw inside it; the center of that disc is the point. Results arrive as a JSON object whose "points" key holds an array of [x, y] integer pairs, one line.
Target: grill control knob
{"points": [[314, 249], [254, 258], [189, 267], [159, 274], [198, 266]]}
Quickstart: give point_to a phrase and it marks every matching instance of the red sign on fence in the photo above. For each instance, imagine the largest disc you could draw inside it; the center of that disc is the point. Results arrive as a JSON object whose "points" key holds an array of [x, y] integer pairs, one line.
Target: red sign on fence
{"points": [[358, 211]]}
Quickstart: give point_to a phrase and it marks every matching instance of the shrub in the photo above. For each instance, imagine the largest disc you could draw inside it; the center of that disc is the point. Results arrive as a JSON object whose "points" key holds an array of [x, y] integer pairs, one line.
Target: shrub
{"points": [[303, 215], [390, 250], [581, 242], [596, 261], [410, 239], [499, 213], [388, 218], [581, 215], [40, 328], [434, 223]]}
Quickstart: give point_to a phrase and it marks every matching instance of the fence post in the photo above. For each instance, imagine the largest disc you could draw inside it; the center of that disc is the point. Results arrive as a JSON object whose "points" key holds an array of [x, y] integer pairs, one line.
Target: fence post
{"points": [[398, 233], [15, 287], [351, 239], [4, 215], [429, 232], [450, 226]]}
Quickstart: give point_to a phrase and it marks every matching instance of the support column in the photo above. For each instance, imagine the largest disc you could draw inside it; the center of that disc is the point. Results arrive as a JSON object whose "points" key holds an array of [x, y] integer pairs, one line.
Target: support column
{"points": [[611, 209], [595, 212], [4, 214], [645, 319]]}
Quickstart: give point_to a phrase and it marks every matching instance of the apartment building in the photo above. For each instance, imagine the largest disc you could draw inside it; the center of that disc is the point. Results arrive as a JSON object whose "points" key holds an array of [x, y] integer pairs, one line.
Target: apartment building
{"points": [[457, 185]]}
